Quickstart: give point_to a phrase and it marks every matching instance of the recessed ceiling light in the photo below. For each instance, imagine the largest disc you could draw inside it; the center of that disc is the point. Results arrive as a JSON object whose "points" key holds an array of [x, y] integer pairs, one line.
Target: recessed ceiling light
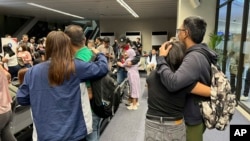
{"points": [[54, 10], [128, 8]]}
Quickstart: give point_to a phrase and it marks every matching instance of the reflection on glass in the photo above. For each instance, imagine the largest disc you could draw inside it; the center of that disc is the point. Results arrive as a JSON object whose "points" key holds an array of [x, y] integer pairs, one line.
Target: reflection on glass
{"points": [[246, 73], [233, 46], [233, 56], [221, 32], [234, 42]]}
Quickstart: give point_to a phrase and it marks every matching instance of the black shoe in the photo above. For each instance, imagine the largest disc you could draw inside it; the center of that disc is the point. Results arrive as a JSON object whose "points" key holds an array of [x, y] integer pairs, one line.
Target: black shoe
{"points": [[126, 104]]}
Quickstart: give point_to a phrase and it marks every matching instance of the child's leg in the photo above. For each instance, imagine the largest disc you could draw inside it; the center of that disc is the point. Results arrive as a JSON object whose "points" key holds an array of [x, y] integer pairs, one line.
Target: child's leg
{"points": [[133, 105], [134, 101], [137, 102]]}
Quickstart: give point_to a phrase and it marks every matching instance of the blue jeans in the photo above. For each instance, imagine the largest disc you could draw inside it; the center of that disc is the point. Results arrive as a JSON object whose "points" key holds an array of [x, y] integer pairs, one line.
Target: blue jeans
{"points": [[165, 131], [95, 135], [28, 65], [121, 75]]}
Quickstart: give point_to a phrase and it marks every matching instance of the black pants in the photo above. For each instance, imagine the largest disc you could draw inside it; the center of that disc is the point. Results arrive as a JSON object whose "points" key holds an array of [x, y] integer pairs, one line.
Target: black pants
{"points": [[247, 83], [232, 82], [5, 132], [13, 70]]}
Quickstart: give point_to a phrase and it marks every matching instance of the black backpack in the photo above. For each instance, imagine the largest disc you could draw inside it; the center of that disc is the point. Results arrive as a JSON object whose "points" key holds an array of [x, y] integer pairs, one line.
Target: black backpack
{"points": [[106, 97]]}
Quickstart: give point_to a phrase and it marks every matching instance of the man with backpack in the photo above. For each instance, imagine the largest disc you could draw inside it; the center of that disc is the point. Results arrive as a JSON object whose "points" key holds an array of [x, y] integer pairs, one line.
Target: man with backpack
{"points": [[195, 67]]}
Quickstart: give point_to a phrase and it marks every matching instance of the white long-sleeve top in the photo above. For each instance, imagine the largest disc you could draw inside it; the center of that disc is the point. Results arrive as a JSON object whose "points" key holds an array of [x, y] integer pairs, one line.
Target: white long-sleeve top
{"points": [[153, 60]]}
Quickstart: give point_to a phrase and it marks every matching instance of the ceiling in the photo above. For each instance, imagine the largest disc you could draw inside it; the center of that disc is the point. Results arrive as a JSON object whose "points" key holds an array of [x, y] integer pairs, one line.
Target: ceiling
{"points": [[90, 9]]}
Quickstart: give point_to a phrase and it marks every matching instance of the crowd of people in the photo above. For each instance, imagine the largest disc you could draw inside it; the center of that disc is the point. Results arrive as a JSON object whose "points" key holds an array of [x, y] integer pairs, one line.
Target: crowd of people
{"points": [[47, 67], [55, 75]]}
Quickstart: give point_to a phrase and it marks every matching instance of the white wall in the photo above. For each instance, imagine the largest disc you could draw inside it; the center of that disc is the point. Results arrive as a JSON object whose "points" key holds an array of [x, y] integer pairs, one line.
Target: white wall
{"points": [[207, 10], [146, 27]]}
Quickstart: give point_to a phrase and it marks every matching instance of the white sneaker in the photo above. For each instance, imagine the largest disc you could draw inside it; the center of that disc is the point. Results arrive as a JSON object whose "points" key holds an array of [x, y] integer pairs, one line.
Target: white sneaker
{"points": [[137, 104], [131, 107], [243, 98]]}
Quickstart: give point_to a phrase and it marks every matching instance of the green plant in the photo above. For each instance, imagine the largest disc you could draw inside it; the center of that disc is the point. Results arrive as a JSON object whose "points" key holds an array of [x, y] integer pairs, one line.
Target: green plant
{"points": [[215, 40]]}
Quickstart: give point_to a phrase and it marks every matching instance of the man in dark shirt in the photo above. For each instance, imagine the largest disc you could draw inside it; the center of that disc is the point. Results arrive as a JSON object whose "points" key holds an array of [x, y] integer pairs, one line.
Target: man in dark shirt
{"points": [[195, 67], [165, 108], [139, 45]]}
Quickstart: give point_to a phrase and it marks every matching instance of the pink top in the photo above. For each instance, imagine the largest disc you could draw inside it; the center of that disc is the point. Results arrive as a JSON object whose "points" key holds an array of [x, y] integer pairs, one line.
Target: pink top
{"points": [[26, 56], [5, 98]]}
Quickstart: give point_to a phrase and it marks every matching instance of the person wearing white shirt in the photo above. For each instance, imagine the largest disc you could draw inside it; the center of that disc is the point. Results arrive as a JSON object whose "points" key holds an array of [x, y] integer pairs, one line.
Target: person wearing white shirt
{"points": [[151, 61], [10, 59]]}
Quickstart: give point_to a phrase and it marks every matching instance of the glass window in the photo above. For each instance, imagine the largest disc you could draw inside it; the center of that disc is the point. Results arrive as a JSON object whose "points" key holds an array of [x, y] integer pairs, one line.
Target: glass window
{"points": [[222, 1], [233, 45], [246, 73], [221, 31]]}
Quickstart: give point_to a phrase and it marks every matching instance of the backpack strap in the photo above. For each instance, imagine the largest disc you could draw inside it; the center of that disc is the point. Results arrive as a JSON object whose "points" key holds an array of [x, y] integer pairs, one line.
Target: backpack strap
{"points": [[205, 53]]}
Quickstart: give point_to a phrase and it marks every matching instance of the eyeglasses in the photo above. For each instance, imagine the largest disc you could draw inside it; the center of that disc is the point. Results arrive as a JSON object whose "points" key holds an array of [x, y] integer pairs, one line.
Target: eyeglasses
{"points": [[178, 30]]}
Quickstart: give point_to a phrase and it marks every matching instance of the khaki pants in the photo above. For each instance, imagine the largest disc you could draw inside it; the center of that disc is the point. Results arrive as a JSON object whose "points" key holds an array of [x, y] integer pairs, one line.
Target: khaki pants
{"points": [[150, 67], [195, 132]]}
